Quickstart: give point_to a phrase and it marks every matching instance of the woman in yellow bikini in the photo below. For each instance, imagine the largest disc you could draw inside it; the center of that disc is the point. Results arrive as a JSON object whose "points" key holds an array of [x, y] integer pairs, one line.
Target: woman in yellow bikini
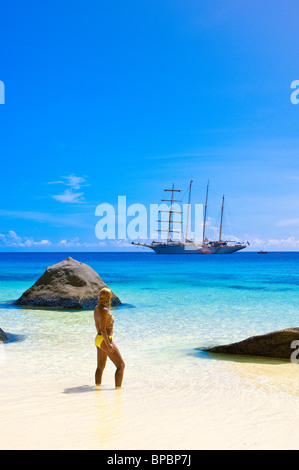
{"points": [[104, 339]]}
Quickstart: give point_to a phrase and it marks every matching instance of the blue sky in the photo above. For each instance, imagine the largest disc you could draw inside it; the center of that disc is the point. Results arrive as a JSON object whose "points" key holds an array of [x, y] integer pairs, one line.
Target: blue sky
{"points": [[125, 98]]}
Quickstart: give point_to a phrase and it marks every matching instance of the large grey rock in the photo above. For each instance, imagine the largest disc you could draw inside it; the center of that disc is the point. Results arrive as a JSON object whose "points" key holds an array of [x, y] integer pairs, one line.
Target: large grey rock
{"points": [[3, 335], [276, 344], [68, 284]]}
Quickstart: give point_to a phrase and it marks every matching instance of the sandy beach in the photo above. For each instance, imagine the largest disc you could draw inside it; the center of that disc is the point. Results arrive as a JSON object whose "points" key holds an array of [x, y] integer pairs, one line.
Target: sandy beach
{"points": [[215, 405]]}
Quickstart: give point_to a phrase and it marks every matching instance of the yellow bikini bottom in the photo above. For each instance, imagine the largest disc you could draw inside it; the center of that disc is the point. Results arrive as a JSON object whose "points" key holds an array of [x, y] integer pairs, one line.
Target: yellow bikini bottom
{"points": [[99, 339]]}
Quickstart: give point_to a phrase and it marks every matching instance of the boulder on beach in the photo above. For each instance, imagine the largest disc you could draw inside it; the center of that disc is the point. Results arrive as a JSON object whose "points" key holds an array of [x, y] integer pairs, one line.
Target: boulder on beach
{"points": [[68, 284], [3, 335], [276, 344]]}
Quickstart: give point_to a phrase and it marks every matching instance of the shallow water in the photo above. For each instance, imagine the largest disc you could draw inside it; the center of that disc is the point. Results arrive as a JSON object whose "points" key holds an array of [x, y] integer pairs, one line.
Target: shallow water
{"points": [[174, 396]]}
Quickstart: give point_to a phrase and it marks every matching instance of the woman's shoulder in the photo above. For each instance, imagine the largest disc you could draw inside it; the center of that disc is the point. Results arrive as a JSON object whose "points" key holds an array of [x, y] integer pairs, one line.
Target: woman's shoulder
{"points": [[103, 310]]}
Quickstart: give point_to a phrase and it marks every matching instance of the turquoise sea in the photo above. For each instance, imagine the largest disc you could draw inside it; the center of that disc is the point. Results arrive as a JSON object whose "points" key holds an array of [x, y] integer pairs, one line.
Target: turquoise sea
{"points": [[205, 298], [171, 306]]}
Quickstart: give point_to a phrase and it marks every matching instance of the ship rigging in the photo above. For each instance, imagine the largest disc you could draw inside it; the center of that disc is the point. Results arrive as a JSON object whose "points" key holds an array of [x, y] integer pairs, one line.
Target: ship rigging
{"points": [[182, 245]]}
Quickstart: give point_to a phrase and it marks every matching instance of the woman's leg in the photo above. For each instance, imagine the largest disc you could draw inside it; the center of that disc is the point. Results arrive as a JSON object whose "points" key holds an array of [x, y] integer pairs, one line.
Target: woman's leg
{"points": [[118, 361], [102, 358]]}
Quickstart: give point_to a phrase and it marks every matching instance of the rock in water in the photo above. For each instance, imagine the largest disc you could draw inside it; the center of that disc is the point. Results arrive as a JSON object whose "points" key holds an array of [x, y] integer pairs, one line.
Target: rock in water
{"points": [[68, 284], [276, 344], [3, 335]]}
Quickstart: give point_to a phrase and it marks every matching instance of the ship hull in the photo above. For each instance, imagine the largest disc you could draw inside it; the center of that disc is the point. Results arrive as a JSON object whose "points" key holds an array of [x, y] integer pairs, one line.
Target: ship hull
{"points": [[164, 249], [226, 250]]}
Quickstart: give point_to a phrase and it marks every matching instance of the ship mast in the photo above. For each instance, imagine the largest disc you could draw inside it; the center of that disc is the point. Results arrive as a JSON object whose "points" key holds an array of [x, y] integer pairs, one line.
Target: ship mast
{"points": [[188, 210], [205, 215], [220, 231], [171, 212]]}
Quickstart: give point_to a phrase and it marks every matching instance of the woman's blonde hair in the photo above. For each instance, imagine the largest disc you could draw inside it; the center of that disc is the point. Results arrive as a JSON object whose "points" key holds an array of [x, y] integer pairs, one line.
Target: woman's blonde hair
{"points": [[105, 298]]}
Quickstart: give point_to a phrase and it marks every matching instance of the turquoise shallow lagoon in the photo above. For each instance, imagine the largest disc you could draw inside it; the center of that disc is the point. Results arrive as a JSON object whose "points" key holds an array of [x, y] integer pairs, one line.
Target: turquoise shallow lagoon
{"points": [[171, 306], [202, 299]]}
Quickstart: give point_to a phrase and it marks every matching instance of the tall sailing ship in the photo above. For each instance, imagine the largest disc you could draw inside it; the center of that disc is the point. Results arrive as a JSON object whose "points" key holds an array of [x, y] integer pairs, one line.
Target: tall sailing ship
{"points": [[184, 245]]}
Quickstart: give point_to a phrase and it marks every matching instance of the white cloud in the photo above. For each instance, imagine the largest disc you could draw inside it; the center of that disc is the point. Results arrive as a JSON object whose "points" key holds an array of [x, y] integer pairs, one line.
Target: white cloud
{"points": [[11, 239], [276, 244], [290, 242], [210, 223], [13, 236], [257, 242], [120, 243], [69, 196], [75, 243], [75, 182]]}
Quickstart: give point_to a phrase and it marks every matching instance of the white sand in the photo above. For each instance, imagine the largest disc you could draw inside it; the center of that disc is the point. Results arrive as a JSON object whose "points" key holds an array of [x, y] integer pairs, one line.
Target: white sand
{"points": [[188, 404]]}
